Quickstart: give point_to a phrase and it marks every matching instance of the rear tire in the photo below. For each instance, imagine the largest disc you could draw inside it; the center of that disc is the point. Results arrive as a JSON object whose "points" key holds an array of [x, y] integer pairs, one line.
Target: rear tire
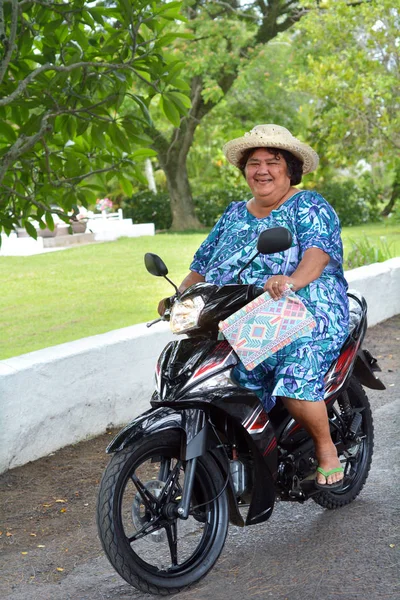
{"points": [[170, 553], [356, 462]]}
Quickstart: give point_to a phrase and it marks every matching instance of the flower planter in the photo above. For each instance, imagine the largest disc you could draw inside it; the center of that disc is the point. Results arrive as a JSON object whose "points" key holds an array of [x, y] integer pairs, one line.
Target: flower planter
{"points": [[47, 233], [78, 226], [62, 229]]}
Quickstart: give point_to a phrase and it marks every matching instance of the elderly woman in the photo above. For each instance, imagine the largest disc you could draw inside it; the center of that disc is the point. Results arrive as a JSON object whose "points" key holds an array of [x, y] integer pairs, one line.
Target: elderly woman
{"points": [[272, 162]]}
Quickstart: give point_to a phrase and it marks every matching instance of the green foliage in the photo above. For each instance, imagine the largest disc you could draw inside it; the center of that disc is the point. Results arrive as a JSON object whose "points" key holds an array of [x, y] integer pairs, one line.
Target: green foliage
{"points": [[395, 214], [210, 205], [147, 207], [366, 252], [227, 36], [259, 95], [347, 63], [354, 200], [66, 72]]}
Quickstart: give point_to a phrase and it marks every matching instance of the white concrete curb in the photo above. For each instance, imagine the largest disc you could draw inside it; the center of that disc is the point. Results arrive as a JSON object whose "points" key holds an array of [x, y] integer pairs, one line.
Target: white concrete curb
{"points": [[64, 394]]}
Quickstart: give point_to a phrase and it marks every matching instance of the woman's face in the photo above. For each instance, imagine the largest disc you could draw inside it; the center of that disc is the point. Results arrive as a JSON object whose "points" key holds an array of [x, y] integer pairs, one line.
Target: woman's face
{"points": [[267, 175]]}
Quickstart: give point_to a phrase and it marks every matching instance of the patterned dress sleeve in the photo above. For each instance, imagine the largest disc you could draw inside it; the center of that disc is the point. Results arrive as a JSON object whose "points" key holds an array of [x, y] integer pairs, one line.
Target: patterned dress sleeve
{"points": [[206, 250], [318, 226]]}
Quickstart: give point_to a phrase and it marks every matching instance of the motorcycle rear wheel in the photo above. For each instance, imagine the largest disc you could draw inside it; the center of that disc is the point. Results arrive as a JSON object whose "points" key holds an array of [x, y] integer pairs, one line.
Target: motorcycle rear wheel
{"points": [[357, 462], [150, 547]]}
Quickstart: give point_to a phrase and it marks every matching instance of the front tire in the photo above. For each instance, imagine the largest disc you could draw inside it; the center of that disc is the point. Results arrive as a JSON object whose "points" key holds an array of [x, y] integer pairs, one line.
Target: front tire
{"points": [[356, 460], [146, 543]]}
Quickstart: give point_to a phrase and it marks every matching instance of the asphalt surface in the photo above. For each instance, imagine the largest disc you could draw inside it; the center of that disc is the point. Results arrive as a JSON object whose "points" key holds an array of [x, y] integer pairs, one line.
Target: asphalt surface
{"points": [[304, 551]]}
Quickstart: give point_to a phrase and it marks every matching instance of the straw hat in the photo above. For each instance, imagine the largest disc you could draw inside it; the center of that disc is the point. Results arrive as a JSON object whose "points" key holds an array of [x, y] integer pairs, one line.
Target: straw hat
{"points": [[271, 136]]}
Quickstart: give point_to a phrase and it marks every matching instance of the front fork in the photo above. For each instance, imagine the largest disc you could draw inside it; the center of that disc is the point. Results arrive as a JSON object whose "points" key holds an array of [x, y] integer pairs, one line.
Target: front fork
{"points": [[195, 424]]}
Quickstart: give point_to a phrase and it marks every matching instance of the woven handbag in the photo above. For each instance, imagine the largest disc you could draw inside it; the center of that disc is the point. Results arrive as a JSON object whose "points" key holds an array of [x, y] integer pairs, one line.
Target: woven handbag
{"points": [[264, 326]]}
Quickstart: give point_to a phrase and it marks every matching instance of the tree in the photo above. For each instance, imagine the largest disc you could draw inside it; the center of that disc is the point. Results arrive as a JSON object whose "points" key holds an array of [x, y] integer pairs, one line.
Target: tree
{"points": [[226, 34], [349, 66], [66, 70], [259, 95]]}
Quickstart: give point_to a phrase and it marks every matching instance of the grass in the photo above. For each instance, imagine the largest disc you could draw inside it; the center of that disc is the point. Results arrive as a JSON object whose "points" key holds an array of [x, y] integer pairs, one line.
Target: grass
{"points": [[58, 297], [384, 237]]}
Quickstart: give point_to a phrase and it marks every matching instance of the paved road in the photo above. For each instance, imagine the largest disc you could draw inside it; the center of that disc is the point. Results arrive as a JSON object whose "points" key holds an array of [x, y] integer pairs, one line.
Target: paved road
{"points": [[303, 552]]}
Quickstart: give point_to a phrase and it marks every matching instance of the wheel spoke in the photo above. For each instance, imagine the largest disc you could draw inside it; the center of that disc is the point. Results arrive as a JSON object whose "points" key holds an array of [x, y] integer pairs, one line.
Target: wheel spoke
{"points": [[172, 536], [147, 529], [171, 485], [148, 499]]}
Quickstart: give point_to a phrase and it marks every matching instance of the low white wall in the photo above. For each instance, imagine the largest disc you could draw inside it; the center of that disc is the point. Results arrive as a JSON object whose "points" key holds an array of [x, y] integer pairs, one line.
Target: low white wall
{"points": [[64, 394], [107, 230], [73, 391], [380, 285]]}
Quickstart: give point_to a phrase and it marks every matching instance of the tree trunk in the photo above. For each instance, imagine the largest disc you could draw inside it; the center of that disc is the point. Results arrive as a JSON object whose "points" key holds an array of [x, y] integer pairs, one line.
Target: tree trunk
{"points": [[182, 207], [395, 195], [173, 159]]}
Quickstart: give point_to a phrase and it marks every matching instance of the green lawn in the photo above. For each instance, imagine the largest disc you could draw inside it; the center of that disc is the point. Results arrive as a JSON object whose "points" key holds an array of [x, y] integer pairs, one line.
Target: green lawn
{"points": [[381, 234], [62, 296]]}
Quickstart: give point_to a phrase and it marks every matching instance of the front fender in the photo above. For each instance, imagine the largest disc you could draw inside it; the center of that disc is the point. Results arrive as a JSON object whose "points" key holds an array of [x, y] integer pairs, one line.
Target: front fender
{"points": [[155, 419], [159, 419]]}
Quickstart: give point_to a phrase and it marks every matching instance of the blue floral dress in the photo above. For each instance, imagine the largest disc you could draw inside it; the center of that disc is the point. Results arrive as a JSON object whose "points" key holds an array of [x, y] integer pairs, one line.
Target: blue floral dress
{"points": [[296, 371]]}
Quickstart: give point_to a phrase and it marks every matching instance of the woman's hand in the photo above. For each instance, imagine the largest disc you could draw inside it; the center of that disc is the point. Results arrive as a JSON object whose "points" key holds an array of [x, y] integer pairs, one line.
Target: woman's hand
{"points": [[277, 284], [163, 305], [310, 268]]}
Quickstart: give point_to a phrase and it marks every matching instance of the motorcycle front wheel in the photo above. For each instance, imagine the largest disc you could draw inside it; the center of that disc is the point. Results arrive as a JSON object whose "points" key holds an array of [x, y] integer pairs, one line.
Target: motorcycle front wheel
{"points": [[356, 460], [145, 541]]}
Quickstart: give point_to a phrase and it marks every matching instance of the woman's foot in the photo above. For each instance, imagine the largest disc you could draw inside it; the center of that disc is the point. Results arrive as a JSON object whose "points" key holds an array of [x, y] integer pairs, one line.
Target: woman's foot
{"points": [[314, 418], [328, 461]]}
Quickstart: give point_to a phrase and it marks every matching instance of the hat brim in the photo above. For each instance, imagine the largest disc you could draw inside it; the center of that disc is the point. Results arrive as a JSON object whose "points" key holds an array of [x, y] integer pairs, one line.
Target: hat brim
{"points": [[234, 149]]}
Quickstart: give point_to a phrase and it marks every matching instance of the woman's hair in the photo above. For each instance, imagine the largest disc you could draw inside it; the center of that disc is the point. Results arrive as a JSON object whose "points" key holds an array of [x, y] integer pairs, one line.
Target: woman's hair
{"points": [[294, 164]]}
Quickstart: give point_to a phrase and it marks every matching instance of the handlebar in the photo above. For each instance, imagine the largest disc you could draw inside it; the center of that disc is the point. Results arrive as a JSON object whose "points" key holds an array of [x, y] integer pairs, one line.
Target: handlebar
{"points": [[165, 317], [253, 292]]}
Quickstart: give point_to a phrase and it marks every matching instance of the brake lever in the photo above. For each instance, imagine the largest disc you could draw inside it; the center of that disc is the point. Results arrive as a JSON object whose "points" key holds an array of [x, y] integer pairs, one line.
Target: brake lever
{"points": [[165, 317], [154, 322]]}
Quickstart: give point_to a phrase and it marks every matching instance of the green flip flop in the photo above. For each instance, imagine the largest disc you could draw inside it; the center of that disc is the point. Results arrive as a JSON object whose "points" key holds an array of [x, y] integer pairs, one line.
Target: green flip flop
{"points": [[329, 486]]}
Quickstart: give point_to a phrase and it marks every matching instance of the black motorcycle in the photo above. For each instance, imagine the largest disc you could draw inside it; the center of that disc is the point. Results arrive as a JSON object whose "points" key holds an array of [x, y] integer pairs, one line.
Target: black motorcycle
{"points": [[207, 453]]}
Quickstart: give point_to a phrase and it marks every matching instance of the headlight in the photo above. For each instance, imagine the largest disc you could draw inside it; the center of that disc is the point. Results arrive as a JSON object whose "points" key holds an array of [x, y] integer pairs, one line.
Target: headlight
{"points": [[185, 314]]}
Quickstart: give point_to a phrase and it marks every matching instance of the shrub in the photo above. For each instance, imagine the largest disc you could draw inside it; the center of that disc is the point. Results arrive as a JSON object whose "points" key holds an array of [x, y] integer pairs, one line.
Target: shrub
{"points": [[365, 252], [355, 201], [147, 207], [210, 205]]}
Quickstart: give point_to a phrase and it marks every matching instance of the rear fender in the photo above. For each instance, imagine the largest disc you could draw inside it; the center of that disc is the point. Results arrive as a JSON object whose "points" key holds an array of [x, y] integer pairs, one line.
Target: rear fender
{"points": [[364, 369]]}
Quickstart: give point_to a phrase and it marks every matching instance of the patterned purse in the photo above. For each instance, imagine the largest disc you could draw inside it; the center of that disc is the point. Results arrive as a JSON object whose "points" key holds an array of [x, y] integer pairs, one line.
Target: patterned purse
{"points": [[264, 326]]}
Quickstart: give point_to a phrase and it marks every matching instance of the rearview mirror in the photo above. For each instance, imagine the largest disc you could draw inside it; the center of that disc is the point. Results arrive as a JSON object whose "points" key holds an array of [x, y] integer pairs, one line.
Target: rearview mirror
{"points": [[274, 240], [155, 265]]}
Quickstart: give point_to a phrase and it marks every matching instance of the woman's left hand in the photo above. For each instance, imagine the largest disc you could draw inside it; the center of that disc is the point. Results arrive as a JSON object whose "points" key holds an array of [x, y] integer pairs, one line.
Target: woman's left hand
{"points": [[277, 284]]}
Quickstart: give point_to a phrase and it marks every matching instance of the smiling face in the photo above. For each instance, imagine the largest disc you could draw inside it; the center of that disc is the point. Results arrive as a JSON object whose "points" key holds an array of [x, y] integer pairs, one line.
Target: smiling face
{"points": [[267, 176]]}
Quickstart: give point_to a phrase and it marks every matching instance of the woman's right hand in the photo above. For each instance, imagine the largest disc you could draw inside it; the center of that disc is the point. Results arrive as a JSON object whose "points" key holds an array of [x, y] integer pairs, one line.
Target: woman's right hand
{"points": [[161, 307]]}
